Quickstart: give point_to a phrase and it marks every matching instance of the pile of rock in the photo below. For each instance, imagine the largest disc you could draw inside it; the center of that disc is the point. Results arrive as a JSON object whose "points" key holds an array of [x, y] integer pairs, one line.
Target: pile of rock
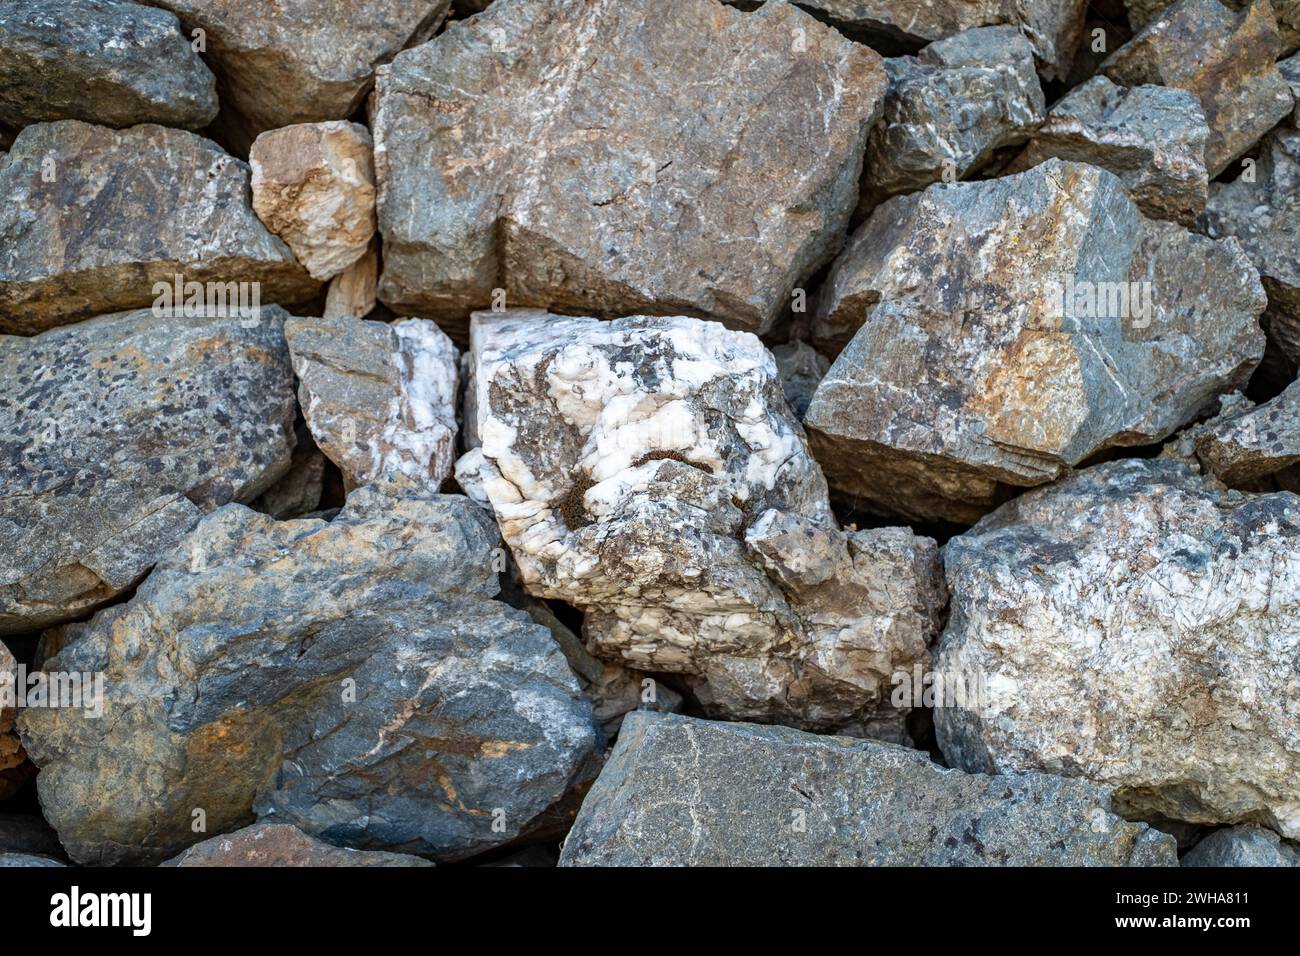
{"points": [[609, 432]]}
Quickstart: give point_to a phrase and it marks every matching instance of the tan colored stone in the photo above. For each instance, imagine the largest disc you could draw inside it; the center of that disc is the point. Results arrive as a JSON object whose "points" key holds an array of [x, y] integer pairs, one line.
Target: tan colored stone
{"points": [[351, 293]]}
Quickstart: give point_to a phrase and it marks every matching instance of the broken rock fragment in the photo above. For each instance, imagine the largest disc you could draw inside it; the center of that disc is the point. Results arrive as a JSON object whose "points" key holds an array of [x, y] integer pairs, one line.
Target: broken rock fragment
{"points": [[713, 184], [1226, 59], [116, 435], [949, 108], [97, 220], [1287, 13], [1152, 137], [801, 367], [314, 187], [1262, 211], [356, 679], [279, 844], [1243, 846], [1249, 443], [1135, 625], [103, 61], [1007, 330], [649, 471], [300, 61], [683, 792], [378, 398]]}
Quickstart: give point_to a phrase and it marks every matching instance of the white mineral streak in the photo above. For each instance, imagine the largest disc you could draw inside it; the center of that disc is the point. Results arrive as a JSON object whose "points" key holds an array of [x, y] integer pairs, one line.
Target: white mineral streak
{"points": [[650, 471], [419, 438]]}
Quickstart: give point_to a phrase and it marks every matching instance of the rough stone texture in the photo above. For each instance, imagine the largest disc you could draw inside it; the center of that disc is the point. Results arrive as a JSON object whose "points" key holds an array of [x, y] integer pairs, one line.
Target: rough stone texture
{"points": [[684, 792], [352, 292], [279, 844], [12, 759], [610, 157], [801, 368], [1137, 626], [650, 471], [1052, 26], [26, 859], [1287, 13], [1243, 846], [949, 108], [116, 435], [1290, 70], [314, 187], [1152, 137], [94, 217], [378, 398], [301, 61], [104, 61], [354, 678], [1226, 59], [1263, 216], [298, 491], [968, 377], [1247, 443]]}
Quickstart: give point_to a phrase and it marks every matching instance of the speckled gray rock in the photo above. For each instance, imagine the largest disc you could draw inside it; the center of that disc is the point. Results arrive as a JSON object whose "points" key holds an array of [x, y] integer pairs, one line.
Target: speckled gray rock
{"points": [[683, 792], [300, 61], [650, 471], [94, 217], [1263, 215], [1011, 329], [104, 61], [26, 859], [1243, 846], [610, 157], [1226, 59], [801, 368], [278, 844], [1247, 442], [378, 398], [1287, 13], [116, 435], [1152, 137], [1137, 626], [1290, 70], [356, 679], [1052, 26], [949, 108]]}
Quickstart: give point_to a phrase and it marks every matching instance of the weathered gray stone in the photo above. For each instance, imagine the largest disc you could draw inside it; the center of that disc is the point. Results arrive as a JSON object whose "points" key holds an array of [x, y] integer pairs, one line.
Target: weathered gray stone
{"points": [[1052, 26], [1263, 214], [1152, 137], [1290, 70], [116, 435], [1012, 328], [298, 491], [684, 792], [1243, 846], [104, 61], [300, 61], [1248, 443], [949, 108], [801, 368], [649, 471], [278, 844], [354, 678], [1287, 13], [1137, 626], [378, 398], [1226, 59], [314, 187], [611, 157], [26, 859], [93, 218]]}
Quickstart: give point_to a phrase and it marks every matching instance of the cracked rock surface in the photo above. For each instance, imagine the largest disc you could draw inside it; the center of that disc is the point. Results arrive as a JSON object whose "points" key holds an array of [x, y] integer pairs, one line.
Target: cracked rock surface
{"points": [[94, 217], [684, 792], [356, 679], [649, 471], [1137, 626], [587, 156], [105, 61], [378, 398], [1243, 846], [953, 392], [116, 436]]}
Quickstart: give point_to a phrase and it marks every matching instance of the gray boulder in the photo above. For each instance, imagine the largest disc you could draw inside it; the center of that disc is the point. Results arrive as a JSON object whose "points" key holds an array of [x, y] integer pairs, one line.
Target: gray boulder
{"points": [[1243, 846], [701, 161], [116, 436], [97, 220], [356, 679], [1007, 330], [683, 792], [1137, 626], [103, 61]]}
